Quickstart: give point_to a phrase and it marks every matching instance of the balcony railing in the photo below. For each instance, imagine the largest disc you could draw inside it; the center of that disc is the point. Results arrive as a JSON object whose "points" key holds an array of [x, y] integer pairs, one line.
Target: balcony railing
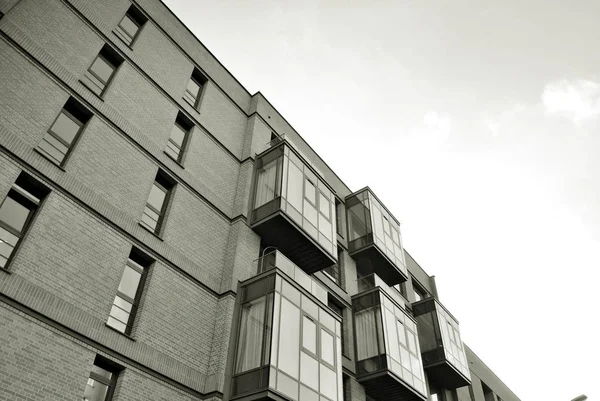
{"points": [[278, 260], [373, 281]]}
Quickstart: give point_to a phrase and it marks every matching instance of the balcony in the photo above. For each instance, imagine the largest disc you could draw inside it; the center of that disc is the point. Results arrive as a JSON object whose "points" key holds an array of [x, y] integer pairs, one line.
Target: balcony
{"points": [[293, 209], [289, 341], [387, 350], [374, 238], [441, 347]]}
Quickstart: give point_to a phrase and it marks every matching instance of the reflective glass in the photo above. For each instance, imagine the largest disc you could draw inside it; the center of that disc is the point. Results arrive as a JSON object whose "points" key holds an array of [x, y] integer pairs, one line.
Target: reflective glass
{"points": [[13, 214], [157, 197], [309, 371], [294, 194], [309, 335], [252, 328], [193, 88], [324, 205], [411, 342], [114, 323], [307, 394], [177, 135], [129, 26], [328, 382], [123, 304], [327, 348], [310, 192], [119, 314], [289, 338], [401, 332], [392, 335], [102, 69], [129, 282], [287, 386], [95, 391], [65, 128]]}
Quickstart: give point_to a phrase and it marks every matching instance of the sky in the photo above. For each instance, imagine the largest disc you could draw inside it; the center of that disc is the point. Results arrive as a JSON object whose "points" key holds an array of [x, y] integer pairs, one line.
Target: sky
{"points": [[477, 125]]}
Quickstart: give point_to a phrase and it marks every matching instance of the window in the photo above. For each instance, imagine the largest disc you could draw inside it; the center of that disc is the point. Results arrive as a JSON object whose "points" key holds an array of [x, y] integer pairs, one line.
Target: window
{"points": [[340, 211], [419, 292], [65, 130], [194, 88], [130, 25], [156, 206], [16, 213], [102, 70], [339, 309], [129, 292], [335, 271], [179, 137], [310, 193], [102, 380]]}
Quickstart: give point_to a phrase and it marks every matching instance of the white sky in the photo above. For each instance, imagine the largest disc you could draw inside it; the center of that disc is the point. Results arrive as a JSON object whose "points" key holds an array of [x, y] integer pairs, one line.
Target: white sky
{"points": [[477, 124]]}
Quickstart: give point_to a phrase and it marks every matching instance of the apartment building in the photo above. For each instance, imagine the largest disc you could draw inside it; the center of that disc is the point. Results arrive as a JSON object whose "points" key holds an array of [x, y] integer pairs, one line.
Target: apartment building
{"points": [[166, 235]]}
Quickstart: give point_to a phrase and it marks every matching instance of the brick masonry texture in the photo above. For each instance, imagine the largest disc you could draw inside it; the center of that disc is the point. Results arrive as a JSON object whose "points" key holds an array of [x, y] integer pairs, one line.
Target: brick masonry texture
{"points": [[57, 293]]}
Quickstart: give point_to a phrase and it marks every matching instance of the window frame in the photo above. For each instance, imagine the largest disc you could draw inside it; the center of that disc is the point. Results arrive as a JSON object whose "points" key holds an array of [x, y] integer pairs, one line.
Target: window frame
{"points": [[162, 213], [57, 137], [110, 63], [143, 270], [200, 80], [136, 23], [111, 367], [28, 200], [186, 127], [136, 16]]}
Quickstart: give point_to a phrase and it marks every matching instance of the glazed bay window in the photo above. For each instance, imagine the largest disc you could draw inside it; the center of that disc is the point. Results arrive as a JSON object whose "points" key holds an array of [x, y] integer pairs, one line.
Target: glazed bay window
{"points": [[130, 25], [61, 137], [129, 292], [289, 341], [442, 349], [194, 88], [179, 137], [157, 203], [388, 356], [16, 213], [102, 70], [293, 208], [374, 238], [102, 381]]}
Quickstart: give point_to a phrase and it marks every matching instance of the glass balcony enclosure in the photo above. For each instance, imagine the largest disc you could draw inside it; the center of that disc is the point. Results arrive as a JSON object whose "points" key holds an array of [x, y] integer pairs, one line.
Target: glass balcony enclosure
{"points": [[289, 341], [293, 209], [387, 350], [374, 238], [442, 349]]}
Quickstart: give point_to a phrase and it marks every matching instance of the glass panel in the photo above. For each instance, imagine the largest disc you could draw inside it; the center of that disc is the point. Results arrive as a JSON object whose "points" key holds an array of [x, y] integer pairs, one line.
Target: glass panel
{"points": [[311, 214], [310, 192], [307, 394], [324, 205], [51, 151], [287, 386], [177, 135], [392, 336], [309, 335], [327, 348], [411, 342], [252, 329], [193, 88], [157, 197], [65, 128], [119, 314], [401, 332], [129, 26], [328, 382], [294, 194], [172, 150], [148, 222], [123, 304], [309, 371], [13, 214], [366, 334], [289, 338], [266, 185], [102, 69], [95, 391], [129, 282]]}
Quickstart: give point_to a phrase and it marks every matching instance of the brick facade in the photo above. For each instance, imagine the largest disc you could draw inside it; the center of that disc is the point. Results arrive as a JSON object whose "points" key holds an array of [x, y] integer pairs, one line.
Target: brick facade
{"points": [[58, 290]]}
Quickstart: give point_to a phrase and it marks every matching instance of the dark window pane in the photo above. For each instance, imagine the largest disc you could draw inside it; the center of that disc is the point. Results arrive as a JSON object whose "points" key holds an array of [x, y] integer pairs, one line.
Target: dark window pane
{"points": [[13, 214], [129, 26], [129, 282], [157, 197], [102, 69], [65, 128]]}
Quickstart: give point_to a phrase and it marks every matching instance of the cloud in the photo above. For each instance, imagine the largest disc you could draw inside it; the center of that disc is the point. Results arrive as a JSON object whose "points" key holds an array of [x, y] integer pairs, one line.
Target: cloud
{"points": [[495, 123], [438, 125], [578, 100]]}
